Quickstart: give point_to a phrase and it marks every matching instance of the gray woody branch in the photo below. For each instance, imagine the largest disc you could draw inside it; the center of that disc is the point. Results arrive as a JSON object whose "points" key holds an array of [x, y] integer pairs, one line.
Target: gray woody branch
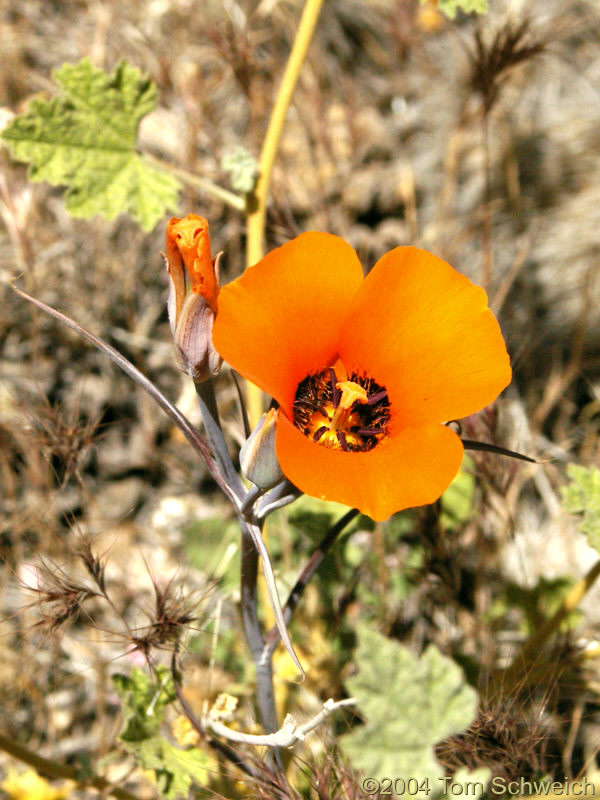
{"points": [[288, 735]]}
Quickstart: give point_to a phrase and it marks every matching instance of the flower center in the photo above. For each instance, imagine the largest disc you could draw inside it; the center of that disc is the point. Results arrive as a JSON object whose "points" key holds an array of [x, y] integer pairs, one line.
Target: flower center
{"points": [[351, 414]]}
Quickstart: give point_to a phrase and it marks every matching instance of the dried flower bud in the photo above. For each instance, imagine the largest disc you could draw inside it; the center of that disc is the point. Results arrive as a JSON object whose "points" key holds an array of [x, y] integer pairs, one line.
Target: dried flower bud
{"points": [[257, 456], [193, 293]]}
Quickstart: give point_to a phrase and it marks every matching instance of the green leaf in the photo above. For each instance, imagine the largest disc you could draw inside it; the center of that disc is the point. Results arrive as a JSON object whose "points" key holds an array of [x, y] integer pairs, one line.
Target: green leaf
{"points": [[582, 496], [143, 705], [143, 702], [243, 169], [176, 769], [451, 7], [409, 704], [85, 139]]}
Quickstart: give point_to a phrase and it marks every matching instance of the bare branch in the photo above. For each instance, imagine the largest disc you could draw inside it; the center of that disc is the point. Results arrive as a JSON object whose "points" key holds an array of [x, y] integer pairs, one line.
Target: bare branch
{"points": [[288, 735]]}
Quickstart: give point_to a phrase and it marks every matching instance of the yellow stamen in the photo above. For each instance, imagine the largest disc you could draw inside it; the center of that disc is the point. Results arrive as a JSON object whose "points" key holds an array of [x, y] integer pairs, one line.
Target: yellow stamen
{"points": [[351, 393], [339, 411]]}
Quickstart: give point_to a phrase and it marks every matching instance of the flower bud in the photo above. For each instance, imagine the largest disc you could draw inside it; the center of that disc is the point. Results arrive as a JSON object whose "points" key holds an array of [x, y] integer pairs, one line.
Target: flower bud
{"points": [[257, 456], [193, 293]]}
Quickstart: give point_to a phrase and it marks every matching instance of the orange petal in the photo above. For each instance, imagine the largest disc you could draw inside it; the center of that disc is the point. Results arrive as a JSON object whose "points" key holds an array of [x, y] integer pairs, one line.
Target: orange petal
{"points": [[423, 330], [176, 273], [410, 469], [280, 320], [188, 242]]}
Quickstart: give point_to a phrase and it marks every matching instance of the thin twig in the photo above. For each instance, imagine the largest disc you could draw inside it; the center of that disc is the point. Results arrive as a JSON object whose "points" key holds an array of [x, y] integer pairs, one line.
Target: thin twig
{"points": [[204, 185]]}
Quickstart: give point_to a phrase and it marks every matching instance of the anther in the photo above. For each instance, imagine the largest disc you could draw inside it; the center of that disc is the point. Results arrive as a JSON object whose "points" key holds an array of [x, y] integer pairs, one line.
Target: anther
{"points": [[319, 433], [335, 392], [375, 398], [341, 437], [369, 431], [351, 414]]}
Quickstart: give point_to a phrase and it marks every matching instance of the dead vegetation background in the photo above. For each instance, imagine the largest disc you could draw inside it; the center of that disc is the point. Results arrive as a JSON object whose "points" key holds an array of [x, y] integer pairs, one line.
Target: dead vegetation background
{"points": [[478, 140]]}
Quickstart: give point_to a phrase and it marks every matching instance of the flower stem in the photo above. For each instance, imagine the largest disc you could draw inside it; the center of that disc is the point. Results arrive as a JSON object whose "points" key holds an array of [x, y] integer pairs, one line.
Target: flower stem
{"points": [[252, 629], [57, 770], [205, 392], [256, 201], [265, 693], [256, 209]]}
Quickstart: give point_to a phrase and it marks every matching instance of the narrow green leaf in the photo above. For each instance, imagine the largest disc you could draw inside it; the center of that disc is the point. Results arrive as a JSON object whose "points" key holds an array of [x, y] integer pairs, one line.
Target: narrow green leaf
{"points": [[85, 139], [409, 705]]}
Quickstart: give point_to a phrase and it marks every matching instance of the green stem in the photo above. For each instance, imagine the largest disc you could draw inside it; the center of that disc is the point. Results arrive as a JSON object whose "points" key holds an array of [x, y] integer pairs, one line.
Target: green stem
{"points": [[204, 185], [57, 770], [256, 201]]}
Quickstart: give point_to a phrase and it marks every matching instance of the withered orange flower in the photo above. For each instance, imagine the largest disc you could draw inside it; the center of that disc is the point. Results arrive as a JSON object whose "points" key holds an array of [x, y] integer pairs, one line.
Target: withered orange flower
{"points": [[365, 370], [193, 295], [188, 260]]}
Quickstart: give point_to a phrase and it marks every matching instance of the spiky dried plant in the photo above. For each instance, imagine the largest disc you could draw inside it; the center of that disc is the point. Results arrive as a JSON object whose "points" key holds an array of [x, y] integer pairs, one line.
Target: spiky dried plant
{"points": [[173, 614], [491, 61], [59, 597], [64, 438]]}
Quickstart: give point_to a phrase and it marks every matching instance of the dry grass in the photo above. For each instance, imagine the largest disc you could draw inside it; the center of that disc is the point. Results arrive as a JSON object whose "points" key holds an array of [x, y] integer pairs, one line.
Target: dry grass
{"points": [[477, 141]]}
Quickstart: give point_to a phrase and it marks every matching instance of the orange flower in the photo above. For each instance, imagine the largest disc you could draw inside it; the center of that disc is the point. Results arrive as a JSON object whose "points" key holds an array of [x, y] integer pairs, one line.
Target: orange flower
{"points": [[194, 289], [365, 370]]}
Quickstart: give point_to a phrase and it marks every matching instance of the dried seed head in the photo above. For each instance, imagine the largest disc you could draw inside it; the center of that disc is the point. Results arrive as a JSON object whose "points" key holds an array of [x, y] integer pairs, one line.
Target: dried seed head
{"points": [[491, 61]]}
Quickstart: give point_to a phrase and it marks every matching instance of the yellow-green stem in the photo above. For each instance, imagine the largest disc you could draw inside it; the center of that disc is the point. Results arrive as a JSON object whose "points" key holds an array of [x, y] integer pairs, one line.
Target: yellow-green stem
{"points": [[57, 770], [256, 206]]}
